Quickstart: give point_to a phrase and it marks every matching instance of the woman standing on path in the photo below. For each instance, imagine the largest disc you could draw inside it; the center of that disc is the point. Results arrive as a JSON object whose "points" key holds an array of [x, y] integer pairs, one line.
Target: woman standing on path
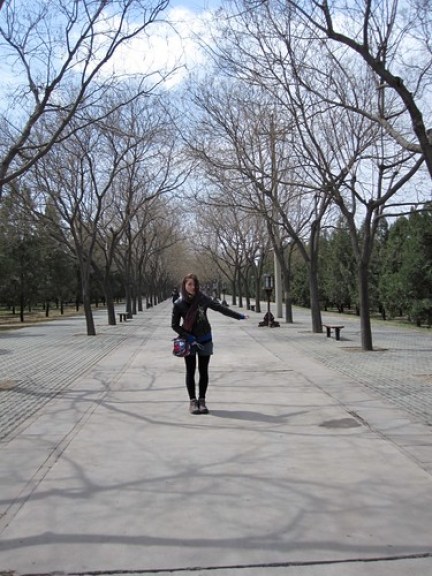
{"points": [[192, 308]]}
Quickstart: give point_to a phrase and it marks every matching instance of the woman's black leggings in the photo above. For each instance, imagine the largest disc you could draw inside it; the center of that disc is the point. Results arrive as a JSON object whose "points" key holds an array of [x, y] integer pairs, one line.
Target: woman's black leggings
{"points": [[203, 363]]}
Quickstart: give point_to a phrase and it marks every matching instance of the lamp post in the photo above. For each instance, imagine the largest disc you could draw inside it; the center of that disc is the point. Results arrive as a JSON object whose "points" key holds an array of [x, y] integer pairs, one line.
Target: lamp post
{"points": [[269, 318], [268, 287]]}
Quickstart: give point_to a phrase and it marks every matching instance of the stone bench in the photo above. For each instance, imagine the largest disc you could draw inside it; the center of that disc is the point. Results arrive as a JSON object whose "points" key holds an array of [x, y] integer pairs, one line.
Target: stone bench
{"points": [[335, 327]]}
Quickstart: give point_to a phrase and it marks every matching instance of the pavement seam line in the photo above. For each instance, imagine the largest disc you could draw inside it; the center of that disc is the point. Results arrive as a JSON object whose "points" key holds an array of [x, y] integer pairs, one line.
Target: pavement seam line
{"points": [[288, 564]]}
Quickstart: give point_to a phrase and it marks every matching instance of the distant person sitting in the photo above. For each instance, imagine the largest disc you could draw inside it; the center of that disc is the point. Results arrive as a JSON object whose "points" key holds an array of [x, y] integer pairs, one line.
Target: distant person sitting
{"points": [[175, 294]]}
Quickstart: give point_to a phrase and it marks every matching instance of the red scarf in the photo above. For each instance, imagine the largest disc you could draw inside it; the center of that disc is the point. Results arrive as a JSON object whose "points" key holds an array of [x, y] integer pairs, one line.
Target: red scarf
{"points": [[189, 320]]}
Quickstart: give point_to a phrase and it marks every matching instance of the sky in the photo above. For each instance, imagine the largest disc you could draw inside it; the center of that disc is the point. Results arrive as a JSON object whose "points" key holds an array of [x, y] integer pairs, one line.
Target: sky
{"points": [[171, 46], [196, 6], [164, 47]]}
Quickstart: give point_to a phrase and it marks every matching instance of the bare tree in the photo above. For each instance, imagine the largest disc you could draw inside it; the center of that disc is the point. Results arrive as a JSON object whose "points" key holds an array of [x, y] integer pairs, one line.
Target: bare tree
{"points": [[247, 145], [235, 241], [363, 171], [339, 111], [153, 269], [153, 168], [393, 39], [151, 231], [100, 183], [77, 178], [57, 54]]}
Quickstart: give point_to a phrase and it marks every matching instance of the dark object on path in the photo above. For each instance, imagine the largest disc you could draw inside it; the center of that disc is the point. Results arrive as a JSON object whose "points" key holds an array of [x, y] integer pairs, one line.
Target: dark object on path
{"points": [[269, 321]]}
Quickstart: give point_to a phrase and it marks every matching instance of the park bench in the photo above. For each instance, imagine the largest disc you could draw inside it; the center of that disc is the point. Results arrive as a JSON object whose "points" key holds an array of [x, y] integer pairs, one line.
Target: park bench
{"points": [[123, 316], [337, 330]]}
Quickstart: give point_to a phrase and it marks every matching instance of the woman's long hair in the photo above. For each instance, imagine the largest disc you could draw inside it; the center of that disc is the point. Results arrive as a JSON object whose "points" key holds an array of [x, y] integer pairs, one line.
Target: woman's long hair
{"points": [[193, 277]]}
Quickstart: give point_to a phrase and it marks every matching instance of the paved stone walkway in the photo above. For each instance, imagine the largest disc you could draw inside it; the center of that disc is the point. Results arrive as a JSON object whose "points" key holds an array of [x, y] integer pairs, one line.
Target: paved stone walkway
{"points": [[315, 459], [41, 361], [399, 369], [38, 362]]}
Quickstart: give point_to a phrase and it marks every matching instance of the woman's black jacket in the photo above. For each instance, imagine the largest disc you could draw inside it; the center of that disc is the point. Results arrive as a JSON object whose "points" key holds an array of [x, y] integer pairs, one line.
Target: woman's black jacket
{"points": [[201, 329]]}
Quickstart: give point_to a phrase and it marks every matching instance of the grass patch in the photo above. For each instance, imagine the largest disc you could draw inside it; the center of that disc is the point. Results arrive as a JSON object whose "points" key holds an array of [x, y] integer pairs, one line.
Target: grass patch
{"points": [[376, 318], [10, 321]]}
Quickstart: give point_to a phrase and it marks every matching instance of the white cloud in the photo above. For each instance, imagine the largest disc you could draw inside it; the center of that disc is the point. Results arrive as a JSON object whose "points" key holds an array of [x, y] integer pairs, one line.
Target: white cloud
{"points": [[169, 47]]}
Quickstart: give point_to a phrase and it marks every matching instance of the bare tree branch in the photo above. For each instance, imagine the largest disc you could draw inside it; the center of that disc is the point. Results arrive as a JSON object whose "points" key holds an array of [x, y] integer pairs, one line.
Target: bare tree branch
{"points": [[62, 49]]}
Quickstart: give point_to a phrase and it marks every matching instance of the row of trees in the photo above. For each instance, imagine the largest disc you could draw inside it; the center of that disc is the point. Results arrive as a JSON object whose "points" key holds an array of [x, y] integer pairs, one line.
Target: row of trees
{"points": [[39, 264], [102, 196], [315, 112], [89, 159], [34, 268], [311, 113], [400, 273]]}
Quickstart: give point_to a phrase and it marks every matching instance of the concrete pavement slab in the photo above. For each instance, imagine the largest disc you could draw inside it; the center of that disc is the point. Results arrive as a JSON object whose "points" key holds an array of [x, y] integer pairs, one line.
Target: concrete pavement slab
{"points": [[282, 475]]}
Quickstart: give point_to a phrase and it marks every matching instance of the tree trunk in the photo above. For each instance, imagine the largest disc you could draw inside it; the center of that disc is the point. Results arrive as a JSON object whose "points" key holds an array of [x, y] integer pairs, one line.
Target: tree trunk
{"points": [[247, 289], [240, 288], [128, 299], [85, 279], [109, 302], [258, 294], [314, 302], [365, 323], [313, 282], [288, 300], [234, 291], [22, 302], [91, 330], [134, 300], [286, 288]]}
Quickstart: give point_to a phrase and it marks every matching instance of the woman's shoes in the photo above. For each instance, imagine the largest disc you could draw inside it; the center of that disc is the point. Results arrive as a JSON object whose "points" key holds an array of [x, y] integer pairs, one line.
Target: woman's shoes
{"points": [[193, 407], [198, 406], [202, 406]]}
